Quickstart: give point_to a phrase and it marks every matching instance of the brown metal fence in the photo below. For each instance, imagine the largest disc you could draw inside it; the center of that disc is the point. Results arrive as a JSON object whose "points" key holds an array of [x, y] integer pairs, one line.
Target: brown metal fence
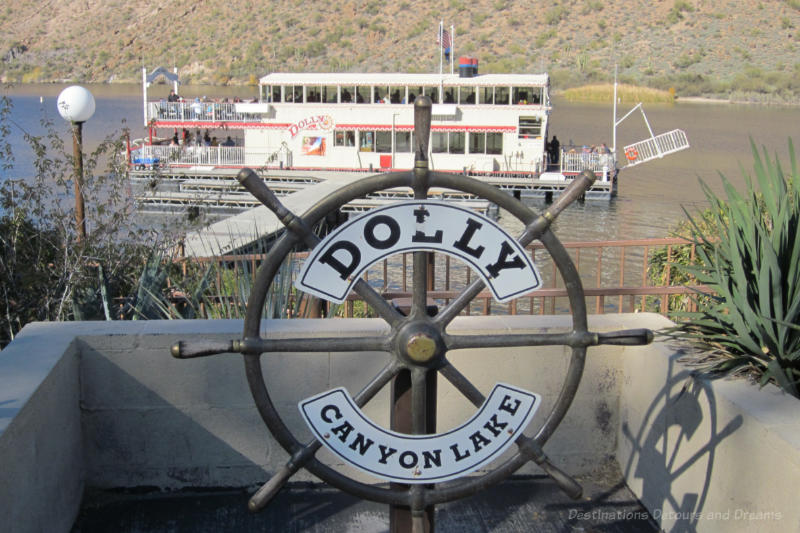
{"points": [[614, 275]]}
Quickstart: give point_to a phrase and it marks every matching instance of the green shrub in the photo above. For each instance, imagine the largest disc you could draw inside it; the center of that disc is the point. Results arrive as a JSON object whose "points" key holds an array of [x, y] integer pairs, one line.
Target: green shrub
{"points": [[555, 15], [46, 271], [751, 262]]}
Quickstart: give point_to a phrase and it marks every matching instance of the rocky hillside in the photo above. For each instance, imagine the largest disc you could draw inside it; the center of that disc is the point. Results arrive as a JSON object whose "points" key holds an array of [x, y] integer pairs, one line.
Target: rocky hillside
{"points": [[700, 47]]}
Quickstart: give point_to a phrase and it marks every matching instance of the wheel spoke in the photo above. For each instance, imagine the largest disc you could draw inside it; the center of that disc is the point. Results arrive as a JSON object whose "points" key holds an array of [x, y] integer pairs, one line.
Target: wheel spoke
{"points": [[454, 308], [419, 395], [457, 342], [527, 445], [462, 384], [314, 344], [306, 453], [377, 302], [419, 300]]}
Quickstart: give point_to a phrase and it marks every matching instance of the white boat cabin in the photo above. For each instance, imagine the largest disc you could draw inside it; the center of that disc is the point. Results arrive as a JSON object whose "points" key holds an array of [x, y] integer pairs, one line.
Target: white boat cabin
{"points": [[484, 124]]}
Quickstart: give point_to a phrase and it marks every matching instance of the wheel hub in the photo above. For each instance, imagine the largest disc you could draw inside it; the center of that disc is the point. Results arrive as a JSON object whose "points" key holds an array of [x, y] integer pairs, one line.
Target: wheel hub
{"points": [[420, 343], [421, 348]]}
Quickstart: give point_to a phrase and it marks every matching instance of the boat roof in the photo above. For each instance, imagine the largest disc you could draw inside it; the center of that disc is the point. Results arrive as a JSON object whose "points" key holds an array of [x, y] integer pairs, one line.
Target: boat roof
{"points": [[400, 78]]}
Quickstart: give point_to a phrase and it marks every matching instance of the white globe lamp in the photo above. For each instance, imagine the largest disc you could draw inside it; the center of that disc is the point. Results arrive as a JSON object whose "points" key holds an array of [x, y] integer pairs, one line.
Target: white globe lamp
{"points": [[76, 104]]}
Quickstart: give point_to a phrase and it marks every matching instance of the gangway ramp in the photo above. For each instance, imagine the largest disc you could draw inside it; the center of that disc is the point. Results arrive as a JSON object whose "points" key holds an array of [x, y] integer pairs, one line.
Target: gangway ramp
{"points": [[657, 146], [238, 231]]}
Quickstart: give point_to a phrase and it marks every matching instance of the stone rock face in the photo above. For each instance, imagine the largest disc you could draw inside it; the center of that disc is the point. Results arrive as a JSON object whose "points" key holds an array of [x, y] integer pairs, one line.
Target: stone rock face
{"points": [[14, 52]]}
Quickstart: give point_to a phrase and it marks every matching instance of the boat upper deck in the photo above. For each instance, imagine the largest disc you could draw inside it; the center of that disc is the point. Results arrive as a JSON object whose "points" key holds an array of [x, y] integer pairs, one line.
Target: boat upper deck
{"points": [[502, 91]]}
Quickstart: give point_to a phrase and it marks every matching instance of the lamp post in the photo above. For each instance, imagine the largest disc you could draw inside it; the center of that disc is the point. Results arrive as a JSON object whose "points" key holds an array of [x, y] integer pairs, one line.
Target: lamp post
{"points": [[76, 105]]}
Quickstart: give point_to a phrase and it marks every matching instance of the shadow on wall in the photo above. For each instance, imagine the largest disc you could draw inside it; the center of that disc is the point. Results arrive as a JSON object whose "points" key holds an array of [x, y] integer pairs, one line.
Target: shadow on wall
{"points": [[195, 434], [679, 432]]}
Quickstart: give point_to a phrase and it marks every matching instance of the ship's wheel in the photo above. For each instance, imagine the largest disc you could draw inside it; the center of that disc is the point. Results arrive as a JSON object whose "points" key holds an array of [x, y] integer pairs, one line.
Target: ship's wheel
{"points": [[417, 344]]}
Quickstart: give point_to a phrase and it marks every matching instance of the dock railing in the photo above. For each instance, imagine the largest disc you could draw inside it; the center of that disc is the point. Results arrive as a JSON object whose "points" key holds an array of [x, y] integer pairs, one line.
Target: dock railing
{"points": [[615, 277]]}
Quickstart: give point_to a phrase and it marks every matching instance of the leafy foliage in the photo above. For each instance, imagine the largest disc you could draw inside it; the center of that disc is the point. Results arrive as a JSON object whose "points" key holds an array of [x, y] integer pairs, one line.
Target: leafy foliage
{"points": [[46, 271], [752, 263]]}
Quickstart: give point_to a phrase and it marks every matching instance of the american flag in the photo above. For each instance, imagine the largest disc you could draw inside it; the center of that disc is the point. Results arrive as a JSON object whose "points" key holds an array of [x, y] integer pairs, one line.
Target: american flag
{"points": [[443, 39]]}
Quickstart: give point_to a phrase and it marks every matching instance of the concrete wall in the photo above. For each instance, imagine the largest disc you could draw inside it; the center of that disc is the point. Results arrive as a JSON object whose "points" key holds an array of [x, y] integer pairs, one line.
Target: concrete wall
{"points": [[41, 457], [105, 405], [701, 455]]}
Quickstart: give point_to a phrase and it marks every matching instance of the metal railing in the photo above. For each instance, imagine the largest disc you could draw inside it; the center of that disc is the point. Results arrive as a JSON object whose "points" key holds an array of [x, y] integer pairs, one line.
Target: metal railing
{"points": [[157, 155], [614, 275], [579, 161], [199, 111]]}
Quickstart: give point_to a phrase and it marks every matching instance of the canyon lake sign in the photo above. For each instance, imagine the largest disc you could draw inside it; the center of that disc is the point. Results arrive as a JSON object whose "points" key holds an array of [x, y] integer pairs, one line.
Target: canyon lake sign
{"points": [[338, 261], [339, 424], [330, 271]]}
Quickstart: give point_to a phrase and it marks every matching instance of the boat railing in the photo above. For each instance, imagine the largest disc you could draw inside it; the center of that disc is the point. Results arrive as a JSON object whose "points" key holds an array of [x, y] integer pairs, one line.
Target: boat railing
{"points": [[199, 111], [578, 161], [155, 155]]}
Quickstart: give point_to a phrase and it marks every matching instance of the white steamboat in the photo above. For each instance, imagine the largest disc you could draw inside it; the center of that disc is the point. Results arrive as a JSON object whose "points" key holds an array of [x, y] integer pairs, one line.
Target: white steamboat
{"points": [[303, 126]]}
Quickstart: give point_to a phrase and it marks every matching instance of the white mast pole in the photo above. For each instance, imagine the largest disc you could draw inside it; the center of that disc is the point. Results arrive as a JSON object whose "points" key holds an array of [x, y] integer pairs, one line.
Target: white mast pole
{"points": [[144, 93], [452, 48], [441, 48], [614, 131]]}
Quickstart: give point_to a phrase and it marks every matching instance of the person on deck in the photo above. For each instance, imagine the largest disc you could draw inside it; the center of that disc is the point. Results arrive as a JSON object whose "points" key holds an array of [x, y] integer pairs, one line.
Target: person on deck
{"points": [[555, 150]]}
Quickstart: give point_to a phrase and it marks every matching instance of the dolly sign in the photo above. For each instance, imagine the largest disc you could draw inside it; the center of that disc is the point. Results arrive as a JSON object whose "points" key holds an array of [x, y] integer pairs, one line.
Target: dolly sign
{"points": [[338, 261], [339, 424]]}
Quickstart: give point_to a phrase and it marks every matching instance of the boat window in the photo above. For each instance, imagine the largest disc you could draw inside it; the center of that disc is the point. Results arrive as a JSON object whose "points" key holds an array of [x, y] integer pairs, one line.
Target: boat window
{"points": [[402, 141], [449, 97], [536, 95], [344, 138], [433, 92], [457, 142], [366, 141], [381, 95], [530, 127], [486, 143], [466, 95], [294, 93], [347, 96], [439, 142], [397, 94], [329, 94], [383, 141], [494, 143], [313, 94], [362, 95], [485, 95], [275, 94], [501, 95], [477, 143], [412, 95], [521, 95]]}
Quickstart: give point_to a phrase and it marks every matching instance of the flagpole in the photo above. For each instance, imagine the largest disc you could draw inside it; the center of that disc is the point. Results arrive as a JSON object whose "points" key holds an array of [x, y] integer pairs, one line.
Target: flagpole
{"points": [[441, 47], [452, 48]]}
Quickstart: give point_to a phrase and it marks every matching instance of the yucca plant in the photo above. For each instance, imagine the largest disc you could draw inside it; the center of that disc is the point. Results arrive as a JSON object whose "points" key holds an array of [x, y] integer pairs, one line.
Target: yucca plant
{"points": [[752, 264]]}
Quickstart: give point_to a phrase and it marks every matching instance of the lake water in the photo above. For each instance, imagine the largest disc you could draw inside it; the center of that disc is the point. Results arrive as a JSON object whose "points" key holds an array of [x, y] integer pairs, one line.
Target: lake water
{"points": [[651, 195]]}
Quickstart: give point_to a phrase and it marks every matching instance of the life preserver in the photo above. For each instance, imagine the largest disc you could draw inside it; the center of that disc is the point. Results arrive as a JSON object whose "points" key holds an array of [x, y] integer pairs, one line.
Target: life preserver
{"points": [[631, 154]]}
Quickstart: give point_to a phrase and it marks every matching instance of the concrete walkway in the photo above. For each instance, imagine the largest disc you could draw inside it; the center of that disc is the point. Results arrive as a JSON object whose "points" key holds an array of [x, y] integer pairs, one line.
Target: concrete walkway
{"points": [[517, 505]]}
